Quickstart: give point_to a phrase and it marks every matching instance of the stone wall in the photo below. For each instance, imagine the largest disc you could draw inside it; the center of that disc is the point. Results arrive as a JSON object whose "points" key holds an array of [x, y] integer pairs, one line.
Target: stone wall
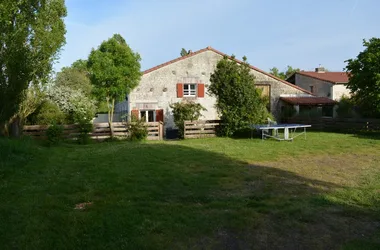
{"points": [[321, 88], [157, 88]]}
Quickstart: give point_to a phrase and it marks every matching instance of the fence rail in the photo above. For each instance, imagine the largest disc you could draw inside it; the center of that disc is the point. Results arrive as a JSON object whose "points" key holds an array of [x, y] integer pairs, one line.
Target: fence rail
{"points": [[201, 128], [339, 124], [100, 131]]}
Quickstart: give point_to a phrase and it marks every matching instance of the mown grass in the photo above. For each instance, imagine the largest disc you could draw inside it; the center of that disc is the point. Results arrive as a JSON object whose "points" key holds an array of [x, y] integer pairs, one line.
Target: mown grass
{"points": [[220, 193]]}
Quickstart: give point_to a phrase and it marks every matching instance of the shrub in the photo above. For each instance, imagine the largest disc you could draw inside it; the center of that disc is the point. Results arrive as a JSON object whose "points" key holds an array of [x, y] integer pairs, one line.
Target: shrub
{"points": [[85, 128], [345, 108], [137, 130], [74, 103], [238, 101], [54, 134], [47, 113], [185, 111]]}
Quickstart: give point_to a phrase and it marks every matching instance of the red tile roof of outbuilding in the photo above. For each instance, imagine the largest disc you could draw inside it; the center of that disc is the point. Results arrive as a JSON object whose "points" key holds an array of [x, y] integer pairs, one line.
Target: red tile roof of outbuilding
{"points": [[333, 77]]}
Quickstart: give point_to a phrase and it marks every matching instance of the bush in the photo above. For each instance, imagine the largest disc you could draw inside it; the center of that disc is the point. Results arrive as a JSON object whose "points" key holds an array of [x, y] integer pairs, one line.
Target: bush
{"points": [[54, 134], [74, 103], [346, 108], [85, 128], [185, 111], [238, 101], [47, 113], [137, 130]]}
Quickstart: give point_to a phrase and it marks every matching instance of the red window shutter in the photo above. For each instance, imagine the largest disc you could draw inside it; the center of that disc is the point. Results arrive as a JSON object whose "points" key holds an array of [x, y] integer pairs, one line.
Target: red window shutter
{"points": [[159, 115], [179, 90], [201, 90], [135, 114]]}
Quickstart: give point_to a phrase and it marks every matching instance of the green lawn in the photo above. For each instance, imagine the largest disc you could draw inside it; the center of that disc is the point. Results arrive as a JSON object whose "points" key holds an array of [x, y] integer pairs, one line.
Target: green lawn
{"points": [[319, 193]]}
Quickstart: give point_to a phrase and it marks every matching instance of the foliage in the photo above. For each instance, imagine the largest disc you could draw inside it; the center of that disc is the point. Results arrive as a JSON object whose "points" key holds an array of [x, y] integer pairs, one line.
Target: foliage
{"points": [[75, 104], [238, 101], [185, 111], [285, 74], [184, 52], [33, 97], [85, 128], [47, 113], [137, 130], [32, 33], [54, 133], [115, 71], [80, 65], [364, 78], [346, 108], [75, 79]]}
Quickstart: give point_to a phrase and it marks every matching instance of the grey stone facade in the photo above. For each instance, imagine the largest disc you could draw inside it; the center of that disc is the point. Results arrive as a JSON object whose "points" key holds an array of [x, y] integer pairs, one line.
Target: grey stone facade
{"points": [[322, 88], [157, 89]]}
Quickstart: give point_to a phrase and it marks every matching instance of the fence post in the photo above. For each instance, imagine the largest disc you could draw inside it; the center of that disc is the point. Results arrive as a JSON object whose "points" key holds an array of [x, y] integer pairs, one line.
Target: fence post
{"points": [[184, 129], [160, 131]]}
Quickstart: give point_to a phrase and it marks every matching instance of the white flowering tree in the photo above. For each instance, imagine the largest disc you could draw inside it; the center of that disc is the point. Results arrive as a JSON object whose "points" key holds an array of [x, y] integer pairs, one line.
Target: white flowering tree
{"points": [[74, 103]]}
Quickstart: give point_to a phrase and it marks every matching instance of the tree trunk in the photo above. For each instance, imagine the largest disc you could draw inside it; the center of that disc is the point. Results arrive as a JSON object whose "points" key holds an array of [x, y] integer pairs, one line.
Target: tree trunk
{"points": [[15, 127], [4, 129], [111, 109]]}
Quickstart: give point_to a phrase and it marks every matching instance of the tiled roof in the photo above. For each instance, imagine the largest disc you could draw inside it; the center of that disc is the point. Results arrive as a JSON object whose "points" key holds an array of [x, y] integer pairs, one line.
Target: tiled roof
{"points": [[308, 100], [333, 77], [222, 54]]}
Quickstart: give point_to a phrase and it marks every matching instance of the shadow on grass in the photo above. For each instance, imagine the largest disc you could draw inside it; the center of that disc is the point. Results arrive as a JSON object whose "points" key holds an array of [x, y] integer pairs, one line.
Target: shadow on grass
{"points": [[160, 196], [374, 135]]}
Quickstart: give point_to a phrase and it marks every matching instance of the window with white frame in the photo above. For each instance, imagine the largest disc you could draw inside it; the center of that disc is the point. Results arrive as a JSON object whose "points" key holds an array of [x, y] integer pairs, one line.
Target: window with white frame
{"points": [[189, 89]]}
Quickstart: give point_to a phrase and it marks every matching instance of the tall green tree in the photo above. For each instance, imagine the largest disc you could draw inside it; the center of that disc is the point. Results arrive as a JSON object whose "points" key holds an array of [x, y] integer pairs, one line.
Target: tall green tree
{"points": [[238, 101], [80, 65], [31, 35], [364, 78], [285, 74], [114, 72], [74, 78]]}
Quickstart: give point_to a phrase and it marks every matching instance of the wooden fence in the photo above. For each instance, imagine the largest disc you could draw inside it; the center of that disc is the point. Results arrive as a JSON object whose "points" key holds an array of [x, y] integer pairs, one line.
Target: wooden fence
{"points": [[201, 128], [100, 131], [339, 124]]}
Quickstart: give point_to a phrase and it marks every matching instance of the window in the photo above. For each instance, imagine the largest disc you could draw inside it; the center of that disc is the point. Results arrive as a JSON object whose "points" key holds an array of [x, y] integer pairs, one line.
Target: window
{"points": [[312, 89], [189, 90], [148, 115]]}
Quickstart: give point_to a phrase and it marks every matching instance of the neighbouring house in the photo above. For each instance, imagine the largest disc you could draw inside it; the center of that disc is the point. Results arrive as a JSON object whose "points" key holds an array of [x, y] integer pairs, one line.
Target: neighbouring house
{"points": [[322, 83], [188, 78]]}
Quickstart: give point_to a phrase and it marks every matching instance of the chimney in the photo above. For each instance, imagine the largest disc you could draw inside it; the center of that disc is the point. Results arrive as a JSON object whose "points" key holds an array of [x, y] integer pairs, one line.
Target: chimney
{"points": [[320, 69]]}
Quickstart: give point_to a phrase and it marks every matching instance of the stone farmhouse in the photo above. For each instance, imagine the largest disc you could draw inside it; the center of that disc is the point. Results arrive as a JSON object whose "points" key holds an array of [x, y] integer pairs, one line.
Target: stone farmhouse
{"points": [[188, 77], [322, 83]]}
